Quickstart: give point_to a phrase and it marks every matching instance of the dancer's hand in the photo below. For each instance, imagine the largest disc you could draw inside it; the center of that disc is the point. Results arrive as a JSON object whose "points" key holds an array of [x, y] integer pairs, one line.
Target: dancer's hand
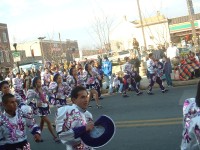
{"points": [[90, 126], [37, 137]]}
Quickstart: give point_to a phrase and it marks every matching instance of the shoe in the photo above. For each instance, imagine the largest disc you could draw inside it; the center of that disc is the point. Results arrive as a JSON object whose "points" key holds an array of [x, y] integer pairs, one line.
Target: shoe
{"points": [[120, 92], [53, 125], [92, 99], [150, 93], [90, 106], [125, 95], [164, 91], [56, 139], [139, 93], [99, 106], [100, 97]]}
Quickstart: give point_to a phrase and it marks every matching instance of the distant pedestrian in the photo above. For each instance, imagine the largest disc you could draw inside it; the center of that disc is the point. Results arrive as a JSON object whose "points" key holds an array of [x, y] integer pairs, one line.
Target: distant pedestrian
{"points": [[167, 70], [107, 70]]}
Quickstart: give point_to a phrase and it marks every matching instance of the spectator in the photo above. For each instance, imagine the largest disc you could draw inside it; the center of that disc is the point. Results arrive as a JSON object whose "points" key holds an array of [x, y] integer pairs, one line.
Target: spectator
{"points": [[136, 63], [172, 51], [167, 70], [107, 70]]}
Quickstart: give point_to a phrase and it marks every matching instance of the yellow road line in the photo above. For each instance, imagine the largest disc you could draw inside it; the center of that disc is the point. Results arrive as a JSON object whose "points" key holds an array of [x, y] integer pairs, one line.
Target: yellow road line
{"points": [[149, 124], [154, 120]]}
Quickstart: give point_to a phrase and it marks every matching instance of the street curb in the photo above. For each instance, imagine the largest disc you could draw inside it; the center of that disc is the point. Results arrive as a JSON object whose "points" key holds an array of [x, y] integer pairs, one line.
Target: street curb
{"points": [[145, 82]]}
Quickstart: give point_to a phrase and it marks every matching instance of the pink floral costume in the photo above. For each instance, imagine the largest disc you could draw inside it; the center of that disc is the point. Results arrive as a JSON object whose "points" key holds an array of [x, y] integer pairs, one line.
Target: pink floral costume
{"points": [[59, 95]]}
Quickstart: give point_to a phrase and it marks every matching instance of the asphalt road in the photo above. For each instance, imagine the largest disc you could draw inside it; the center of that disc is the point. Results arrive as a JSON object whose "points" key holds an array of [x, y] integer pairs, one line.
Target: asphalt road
{"points": [[146, 122]]}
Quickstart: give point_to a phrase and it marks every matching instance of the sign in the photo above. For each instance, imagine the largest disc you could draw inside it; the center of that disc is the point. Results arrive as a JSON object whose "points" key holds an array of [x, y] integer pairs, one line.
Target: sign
{"points": [[16, 56], [182, 26]]}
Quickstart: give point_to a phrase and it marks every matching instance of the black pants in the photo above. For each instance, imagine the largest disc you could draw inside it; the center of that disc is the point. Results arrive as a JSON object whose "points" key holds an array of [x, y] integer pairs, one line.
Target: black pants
{"points": [[24, 145]]}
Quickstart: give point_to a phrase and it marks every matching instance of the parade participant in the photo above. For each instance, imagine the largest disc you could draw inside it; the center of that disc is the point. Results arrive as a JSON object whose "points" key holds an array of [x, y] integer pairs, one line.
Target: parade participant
{"points": [[5, 89], [37, 99], [12, 125], [129, 78], [18, 86], [153, 76], [46, 77], [73, 121], [74, 79], [59, 90], [92, 83], [191, 122]]}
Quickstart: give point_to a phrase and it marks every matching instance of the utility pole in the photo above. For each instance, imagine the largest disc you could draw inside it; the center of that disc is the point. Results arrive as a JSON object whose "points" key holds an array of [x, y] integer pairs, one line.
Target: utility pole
{"points": [[41, 46], [143, 60], [141, 23], [191, 17]]}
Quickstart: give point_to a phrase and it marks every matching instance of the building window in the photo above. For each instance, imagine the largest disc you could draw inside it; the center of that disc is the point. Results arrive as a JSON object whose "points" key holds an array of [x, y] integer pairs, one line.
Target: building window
{"points": [[1, 57], [5, 37], [7, 57]]}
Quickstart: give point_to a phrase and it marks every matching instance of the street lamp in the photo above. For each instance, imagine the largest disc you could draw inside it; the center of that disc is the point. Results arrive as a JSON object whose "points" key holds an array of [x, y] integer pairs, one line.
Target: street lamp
{"points": [[42, 52], [32, 51], [15, 46]]}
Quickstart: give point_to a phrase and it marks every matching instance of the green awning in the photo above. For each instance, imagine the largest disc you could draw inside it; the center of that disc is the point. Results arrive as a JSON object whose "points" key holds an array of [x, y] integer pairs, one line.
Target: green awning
{"points": [[182, 26]]}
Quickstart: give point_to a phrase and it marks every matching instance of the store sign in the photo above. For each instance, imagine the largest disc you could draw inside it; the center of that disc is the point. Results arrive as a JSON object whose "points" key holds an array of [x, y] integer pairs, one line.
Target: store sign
{"points": [[182, 26], [16, 56]]}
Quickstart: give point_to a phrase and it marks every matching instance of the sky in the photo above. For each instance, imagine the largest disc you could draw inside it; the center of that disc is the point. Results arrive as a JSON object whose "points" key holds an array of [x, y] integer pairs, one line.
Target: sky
{"points": [[73, 19]]}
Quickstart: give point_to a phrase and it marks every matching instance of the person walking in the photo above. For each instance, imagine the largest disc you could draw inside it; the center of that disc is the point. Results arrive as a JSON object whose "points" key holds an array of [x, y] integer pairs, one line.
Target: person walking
{"points": [[154, 76], [13, 122], [191, 122], [38, 100], [73, 121]]}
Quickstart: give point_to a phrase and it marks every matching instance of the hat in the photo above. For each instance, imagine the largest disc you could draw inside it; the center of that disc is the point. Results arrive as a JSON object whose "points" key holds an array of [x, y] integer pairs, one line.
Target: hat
{"points": [[104, 130]]}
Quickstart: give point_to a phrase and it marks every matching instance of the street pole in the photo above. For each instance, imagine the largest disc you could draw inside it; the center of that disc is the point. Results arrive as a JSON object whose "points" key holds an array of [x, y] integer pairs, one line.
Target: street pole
{"points": [[15, 46], [142, 25], [143, 52], [32, 53], [191, 15], [41, 47]]}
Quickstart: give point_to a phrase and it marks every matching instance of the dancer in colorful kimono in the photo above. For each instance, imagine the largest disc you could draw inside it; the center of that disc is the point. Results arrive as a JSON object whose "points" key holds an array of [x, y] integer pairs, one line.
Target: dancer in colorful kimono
{"points": [[5, 89], [18, 86], [73, 121], [92, 84], [13, 120], [46, 77], [59, 90], [129, 78], [74, 79], [38, 100], [191, 122], [153, 70]]}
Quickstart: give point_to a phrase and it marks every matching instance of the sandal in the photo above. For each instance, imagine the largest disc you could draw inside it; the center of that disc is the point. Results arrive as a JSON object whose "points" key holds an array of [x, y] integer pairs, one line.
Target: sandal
{"points": [[98, 106], [56, 139]]}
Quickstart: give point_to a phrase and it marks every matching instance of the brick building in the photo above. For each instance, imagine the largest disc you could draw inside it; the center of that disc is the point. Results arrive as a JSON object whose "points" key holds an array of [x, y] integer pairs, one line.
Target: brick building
{"points": [[6, 59]]}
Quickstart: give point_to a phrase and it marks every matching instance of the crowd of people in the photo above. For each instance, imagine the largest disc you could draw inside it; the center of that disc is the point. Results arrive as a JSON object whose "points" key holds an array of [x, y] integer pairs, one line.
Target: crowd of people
{"points": [[78, 83]]}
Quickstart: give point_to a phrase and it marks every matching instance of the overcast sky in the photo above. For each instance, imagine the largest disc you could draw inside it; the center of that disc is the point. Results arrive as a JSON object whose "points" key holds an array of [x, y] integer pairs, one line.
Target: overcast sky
{"points": [[29, 19]]}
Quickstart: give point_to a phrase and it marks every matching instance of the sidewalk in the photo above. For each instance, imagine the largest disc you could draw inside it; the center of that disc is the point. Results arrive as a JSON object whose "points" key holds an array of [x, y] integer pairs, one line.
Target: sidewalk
{"points": [[145, 82]]}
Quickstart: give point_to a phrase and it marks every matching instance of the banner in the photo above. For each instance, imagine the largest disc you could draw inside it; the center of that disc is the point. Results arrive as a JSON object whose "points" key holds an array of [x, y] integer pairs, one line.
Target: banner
{"points": [[16, 56]]}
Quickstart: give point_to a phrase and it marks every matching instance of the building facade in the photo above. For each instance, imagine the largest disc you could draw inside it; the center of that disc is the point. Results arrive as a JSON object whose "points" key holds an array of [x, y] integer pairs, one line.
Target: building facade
{"points": [[180, 28], [48, 50], [6, 59]]}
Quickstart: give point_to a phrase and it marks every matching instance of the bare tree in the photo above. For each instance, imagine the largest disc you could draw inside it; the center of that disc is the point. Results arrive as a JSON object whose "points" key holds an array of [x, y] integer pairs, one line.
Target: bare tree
{"points": [[101, 28]]}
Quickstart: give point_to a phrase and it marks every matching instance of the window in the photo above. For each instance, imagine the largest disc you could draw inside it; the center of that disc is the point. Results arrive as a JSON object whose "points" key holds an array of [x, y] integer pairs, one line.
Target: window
{"points": [[1, 57], [7, 56], [5, 37]]}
